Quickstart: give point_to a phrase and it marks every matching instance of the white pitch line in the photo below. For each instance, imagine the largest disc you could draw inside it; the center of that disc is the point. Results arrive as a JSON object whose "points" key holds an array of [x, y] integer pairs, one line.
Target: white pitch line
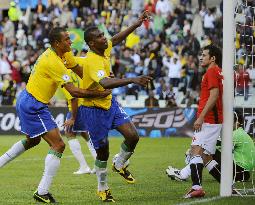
{"points": [[64, 157], [202, 200], [37, 159]]}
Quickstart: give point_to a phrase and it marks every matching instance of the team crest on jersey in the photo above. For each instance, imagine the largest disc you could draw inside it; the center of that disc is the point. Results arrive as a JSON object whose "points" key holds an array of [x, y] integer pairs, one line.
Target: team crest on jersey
{"points": [[100, 73], [66, 77]]}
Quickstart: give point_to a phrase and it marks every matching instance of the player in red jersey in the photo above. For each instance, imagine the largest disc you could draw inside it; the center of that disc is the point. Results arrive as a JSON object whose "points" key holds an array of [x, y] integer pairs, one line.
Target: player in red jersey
{"points": [[208, 124]]}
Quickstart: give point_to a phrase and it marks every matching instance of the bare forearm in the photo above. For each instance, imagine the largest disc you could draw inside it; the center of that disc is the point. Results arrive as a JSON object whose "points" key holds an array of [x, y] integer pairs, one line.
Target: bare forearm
{"points": [[74, 105], [119, 37], [109, 83], [81, 93]]}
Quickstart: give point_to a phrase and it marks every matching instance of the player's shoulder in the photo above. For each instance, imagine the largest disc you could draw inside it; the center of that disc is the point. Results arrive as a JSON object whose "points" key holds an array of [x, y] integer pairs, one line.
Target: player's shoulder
{"points": [[49, 56], [50, 53], [45, 55], [214, 70], [80, 59], [93, 60]]}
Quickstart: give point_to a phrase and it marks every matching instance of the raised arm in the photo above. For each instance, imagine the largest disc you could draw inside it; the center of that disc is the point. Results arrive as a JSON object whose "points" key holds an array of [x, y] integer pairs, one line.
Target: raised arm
{"points": [[116, 39], [82, 93]]}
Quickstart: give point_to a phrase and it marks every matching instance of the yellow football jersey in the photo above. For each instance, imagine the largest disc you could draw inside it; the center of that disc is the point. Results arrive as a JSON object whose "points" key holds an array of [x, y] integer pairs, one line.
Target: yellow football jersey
{"points": [[95, 68], [77, 81], [48, 74]]}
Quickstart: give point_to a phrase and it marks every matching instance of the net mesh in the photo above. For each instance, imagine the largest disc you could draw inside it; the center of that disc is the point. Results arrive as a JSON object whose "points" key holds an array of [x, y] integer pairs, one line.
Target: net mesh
{"points": [[245, 84]]}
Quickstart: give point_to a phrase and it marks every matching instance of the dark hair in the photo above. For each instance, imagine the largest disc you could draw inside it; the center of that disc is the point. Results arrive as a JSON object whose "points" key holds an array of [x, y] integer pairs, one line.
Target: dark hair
{"points": [[238, 117], [215, 51], [55, 34], [88, 34]]}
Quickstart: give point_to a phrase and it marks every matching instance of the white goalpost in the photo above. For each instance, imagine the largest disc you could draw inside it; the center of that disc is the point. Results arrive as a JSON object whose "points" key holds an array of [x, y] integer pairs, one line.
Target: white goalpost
{"points": [[238, 53], [228, 97]]}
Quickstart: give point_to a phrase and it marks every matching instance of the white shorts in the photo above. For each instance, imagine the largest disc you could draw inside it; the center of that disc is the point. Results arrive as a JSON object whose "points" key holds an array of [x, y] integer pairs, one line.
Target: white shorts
{"points": [[207, 137]]}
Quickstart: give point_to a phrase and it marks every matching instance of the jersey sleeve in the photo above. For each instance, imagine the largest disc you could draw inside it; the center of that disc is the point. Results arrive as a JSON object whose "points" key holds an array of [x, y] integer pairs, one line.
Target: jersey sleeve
{"points": [[107, 52], [214, 79], [96, 72], [59, 73]]}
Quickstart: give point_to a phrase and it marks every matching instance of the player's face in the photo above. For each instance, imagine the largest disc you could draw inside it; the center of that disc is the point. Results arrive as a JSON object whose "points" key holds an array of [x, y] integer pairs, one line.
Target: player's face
{"points": [[100, 41], [205, 59], [65, 42]]}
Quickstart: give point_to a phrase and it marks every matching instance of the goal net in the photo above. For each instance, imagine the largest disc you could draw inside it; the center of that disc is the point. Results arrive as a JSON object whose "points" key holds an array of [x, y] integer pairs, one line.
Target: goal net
{"points": [[244, 84]]}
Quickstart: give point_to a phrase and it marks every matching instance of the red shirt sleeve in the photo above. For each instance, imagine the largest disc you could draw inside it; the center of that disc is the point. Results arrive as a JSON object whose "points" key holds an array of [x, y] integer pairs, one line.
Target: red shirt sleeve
{"points": [[214, 78]]}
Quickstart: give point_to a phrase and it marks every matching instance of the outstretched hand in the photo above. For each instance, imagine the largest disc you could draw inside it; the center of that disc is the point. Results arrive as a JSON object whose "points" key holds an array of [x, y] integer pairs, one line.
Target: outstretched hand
{"points": [[142, 80], [68, 124], [146, 15]]}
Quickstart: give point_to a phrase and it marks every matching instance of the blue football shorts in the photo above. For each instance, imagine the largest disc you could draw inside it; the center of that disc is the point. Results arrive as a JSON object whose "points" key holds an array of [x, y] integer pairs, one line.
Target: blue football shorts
{"points": [[98, 122], [35, 117]]}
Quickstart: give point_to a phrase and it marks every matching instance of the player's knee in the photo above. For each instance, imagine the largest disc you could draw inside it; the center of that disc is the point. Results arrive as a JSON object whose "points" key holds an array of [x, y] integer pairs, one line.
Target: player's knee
{"points": [[103, 154], [32, 142], [85, 136], [196, 150]]}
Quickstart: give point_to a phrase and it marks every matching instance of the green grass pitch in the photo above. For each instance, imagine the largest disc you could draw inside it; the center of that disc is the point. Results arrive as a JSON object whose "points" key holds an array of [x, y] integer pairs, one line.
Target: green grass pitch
{"points": [[19, 179]]}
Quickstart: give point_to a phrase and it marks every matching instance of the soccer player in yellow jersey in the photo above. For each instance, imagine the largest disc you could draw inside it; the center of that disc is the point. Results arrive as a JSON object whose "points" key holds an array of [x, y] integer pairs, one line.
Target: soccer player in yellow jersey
{"points": [[35, 118], [74, 144], [98, 116]]}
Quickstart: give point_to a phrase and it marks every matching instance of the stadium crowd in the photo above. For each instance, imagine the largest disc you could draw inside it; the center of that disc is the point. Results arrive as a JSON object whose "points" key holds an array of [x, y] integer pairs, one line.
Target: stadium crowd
{"points": [[166, 47]]}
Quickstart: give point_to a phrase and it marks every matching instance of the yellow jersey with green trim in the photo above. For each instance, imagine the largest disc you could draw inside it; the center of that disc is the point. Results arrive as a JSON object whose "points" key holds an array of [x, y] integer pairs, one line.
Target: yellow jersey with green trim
{"points": [[95, 68], [77, 81], [48, 74]]}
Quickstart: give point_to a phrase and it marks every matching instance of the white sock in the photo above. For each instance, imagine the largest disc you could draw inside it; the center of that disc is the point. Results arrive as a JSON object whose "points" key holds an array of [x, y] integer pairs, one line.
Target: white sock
{"points": [[209, 166], [16, 150], [101, 173], [52, 163], [92, 149], [185, 172], [123, 156], [75, 147]]}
